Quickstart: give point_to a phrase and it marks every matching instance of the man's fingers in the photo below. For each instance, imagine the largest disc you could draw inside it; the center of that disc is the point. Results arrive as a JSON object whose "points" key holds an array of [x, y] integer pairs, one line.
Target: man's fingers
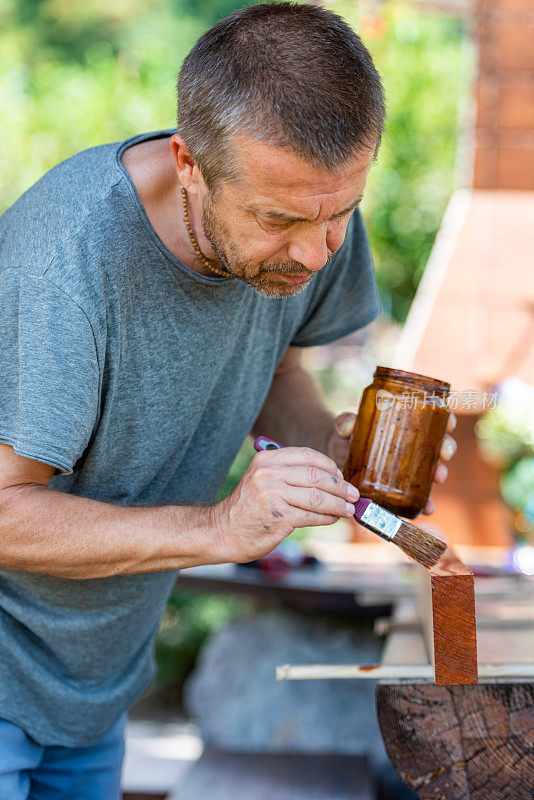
{"points": [[448, 448], [297, 456], [429, 508], [318, 502], [451, 422], [305, 519], [313, 477], [344, 424], [441, 473]]}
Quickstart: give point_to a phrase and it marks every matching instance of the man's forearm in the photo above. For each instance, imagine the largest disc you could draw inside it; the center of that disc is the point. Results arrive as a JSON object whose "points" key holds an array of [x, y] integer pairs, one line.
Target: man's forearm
{"points": [[295, 411], [42, 530], [55, 533]]}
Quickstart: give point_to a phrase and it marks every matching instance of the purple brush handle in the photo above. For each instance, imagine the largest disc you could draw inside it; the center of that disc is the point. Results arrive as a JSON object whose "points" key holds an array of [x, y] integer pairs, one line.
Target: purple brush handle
{"points": [[264, 443], [360, 505]]}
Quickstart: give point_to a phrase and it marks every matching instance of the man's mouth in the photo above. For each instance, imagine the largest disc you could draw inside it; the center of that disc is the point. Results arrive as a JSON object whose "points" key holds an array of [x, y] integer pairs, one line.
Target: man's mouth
{"points": [[295, 278]]}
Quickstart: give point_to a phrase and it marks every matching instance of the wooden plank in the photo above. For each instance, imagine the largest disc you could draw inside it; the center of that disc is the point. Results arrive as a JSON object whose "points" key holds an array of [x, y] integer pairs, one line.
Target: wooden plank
{"points": [[505, 633], [504, 623], [413, 673], [506, 645], [405, 645], [220, 774], [449, 621]]}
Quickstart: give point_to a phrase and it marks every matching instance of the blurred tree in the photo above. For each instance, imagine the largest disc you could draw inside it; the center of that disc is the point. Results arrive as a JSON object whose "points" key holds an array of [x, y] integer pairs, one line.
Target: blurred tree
{"points": [[73, 75], [210, 10], [426, 62]]}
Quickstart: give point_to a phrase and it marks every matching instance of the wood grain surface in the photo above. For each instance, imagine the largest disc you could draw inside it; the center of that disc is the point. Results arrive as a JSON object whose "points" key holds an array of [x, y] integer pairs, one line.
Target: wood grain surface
{"points": [[461, 742], [450, 628]]}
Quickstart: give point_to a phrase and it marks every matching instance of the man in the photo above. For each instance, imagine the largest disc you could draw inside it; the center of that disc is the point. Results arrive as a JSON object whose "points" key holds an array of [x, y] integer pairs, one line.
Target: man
{"points": [[154, 298]]}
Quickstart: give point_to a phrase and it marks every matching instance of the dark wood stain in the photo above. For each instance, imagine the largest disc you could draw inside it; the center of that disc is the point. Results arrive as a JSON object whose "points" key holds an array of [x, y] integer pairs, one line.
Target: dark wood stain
{"points": [[454, 621]]}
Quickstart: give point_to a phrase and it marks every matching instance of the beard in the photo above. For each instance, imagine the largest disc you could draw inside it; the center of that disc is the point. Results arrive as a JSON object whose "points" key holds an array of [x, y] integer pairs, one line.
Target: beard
{"points": [[261, 276]]}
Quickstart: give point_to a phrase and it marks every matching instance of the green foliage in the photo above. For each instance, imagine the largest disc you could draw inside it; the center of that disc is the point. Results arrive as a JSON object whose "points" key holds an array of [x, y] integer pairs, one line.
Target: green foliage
{"points": [[506, 437], [209, 10], [73, 75], [425, 61], [517, 486], [506, 432], [115, 79], [188, 620]]}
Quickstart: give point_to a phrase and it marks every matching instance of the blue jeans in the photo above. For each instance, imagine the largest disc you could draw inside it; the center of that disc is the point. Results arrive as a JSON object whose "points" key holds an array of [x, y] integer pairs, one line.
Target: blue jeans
{"points": [[29, 771]]}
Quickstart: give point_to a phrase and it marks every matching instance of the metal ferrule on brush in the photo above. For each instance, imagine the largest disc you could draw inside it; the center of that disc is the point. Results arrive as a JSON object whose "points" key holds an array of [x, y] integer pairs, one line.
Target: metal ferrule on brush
{"points": [[377, 519]]}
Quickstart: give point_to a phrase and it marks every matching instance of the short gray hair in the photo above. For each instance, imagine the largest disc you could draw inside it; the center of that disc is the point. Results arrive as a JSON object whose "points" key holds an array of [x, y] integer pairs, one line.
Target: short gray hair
{"points": [[292, 75]]}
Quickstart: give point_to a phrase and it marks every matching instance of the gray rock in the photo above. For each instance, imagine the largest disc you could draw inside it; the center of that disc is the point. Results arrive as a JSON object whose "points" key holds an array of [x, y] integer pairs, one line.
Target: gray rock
{"points": [[238, 704]]}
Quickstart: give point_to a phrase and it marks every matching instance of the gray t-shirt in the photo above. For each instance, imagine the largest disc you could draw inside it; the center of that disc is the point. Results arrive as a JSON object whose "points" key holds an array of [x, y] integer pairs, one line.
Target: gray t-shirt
{"points": [[138, 379]]}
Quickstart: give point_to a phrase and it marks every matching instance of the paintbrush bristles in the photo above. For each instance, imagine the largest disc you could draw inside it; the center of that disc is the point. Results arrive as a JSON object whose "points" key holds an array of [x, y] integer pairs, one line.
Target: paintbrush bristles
{"points": [[420, 545]]}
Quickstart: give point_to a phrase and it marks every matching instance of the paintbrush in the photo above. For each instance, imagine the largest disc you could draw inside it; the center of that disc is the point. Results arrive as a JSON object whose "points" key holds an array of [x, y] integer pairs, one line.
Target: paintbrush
{"points": [[419, 544]]}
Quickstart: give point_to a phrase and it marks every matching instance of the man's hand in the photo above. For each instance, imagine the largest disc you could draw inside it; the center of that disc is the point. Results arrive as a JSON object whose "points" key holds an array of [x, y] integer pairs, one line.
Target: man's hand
{"points": [[293, 487], [338, 440]]}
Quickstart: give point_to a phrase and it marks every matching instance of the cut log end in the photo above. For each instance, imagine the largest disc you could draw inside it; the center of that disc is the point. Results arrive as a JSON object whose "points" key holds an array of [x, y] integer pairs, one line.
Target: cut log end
{"points": [[460, 742]]}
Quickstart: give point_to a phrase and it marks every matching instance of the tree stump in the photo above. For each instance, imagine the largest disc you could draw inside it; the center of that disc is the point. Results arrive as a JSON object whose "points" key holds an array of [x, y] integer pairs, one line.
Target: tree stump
{"points": [[461, 742]]}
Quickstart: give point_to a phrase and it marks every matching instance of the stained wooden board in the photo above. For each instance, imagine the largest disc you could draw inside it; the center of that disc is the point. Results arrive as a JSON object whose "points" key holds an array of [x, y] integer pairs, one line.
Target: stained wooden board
{"points": [[219, 775], [447, 612]]}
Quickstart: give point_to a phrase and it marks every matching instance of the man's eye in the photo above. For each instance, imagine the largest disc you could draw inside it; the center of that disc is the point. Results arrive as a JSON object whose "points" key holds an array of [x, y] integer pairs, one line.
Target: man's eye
{"points": [[275, 225], [346, 215]]}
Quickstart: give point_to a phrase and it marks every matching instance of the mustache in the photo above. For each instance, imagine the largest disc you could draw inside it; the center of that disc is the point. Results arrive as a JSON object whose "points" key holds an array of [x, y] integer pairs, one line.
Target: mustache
{"points": [[294, 268]]}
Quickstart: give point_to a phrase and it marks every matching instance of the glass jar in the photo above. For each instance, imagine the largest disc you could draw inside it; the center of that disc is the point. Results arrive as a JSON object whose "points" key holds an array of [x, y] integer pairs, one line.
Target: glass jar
{"points": [[395, 445]]}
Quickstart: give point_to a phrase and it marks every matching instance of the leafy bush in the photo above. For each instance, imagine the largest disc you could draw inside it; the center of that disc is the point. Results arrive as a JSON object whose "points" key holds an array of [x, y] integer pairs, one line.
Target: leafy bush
{"points": [[187, 622], [426, 63]]}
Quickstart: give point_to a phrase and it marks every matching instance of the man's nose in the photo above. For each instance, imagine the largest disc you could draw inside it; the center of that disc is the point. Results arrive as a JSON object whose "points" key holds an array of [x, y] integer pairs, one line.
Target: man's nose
{"points": [[312, 248], [309, 248]]}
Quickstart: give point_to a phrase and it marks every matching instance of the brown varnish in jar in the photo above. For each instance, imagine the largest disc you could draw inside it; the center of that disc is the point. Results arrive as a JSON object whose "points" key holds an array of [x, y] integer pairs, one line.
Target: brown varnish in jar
{"points": [[395, 445]]}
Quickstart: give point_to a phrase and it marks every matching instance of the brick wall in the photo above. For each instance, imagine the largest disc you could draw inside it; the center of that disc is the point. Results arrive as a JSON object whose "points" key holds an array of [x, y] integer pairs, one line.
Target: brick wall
{"points": [[504, 134]]}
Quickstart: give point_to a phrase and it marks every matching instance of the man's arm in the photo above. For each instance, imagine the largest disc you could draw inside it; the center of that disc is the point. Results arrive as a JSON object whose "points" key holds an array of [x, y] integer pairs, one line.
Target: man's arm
{"points": [[55, 533], [295, 411], [43, 530]]}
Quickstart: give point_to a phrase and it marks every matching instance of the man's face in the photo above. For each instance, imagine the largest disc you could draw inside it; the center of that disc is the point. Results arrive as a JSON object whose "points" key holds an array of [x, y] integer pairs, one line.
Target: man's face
{"points": [[283, 218]]}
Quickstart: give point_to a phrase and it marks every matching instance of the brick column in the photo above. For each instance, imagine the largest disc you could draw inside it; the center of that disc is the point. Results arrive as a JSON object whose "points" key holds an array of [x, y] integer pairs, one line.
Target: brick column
{"points": [[504, 132]]}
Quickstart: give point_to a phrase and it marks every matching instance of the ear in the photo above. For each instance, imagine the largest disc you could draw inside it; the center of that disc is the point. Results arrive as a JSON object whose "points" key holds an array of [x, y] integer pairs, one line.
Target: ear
{"points": [[186, 166]]}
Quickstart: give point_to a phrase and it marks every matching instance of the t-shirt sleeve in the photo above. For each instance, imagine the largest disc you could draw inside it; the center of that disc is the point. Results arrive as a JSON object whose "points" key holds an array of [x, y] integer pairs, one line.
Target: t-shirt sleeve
{"points": [[345, 298], [50, 379]]}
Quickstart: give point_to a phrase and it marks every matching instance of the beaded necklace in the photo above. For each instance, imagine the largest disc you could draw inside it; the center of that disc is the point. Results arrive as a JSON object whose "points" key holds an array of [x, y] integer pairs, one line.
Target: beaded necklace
{"points": [[196, 248]]}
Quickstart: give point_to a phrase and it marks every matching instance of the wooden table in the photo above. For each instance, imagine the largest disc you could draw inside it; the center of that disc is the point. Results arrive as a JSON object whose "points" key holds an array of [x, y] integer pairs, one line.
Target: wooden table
{"points": [[359, 589]]}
